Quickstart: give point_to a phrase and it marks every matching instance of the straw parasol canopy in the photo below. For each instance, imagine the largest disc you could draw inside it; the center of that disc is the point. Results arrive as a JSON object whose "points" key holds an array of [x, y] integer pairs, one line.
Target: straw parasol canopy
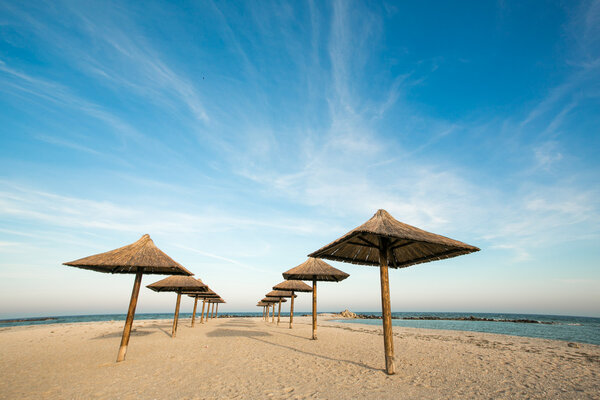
{"points": [[292, 286], [178, 284], [408, 245], [141, 257], [386, 242], [315, 270], [216, 301], [271, 300], [204, 296], [280, 294], [264, 307]]}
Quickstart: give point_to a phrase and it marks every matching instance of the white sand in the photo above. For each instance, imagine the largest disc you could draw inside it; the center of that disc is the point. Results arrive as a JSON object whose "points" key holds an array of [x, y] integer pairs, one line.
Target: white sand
{"points": [[246, 358]]}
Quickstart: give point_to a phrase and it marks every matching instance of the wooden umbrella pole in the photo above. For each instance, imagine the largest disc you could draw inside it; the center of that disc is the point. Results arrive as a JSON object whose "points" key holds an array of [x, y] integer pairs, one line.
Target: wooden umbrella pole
{"points": [[130, 314], [273, 314], [202, 313], [279, 312], [176, 317], [292, 310], [212, 313], [194, 313], [386, 308], [264, 311], [217, 312], [314, 310]]}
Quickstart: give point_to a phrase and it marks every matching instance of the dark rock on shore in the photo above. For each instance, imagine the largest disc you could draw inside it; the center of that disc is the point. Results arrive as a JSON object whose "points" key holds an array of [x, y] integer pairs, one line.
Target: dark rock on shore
{"points": [[470, 318]]}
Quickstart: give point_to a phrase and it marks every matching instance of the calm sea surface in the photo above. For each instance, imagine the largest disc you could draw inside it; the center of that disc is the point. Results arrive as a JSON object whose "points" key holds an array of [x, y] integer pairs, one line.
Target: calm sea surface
{"points": [[572, 329]]}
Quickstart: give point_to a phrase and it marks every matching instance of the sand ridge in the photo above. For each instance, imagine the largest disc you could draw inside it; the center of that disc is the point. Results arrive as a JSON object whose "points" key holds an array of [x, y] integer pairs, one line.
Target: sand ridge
{"points": [[246, 358]]}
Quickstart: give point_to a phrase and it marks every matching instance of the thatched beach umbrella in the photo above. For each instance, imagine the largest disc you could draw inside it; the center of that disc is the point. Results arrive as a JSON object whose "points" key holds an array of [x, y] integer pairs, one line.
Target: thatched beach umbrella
{"points": [[195, 300], [208, 295], [386, 242], [315, 270], [200, 295], [266, 309], [271, 301], [212, 312], [261, 304], [292, 286], [177, 284], [216, 302], [280, 294], [141, 257]]}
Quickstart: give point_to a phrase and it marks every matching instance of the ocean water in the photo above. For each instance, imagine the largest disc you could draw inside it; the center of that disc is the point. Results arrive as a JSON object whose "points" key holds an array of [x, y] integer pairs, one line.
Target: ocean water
{"points": [[569, 328], [66, 319], [560, 327]]}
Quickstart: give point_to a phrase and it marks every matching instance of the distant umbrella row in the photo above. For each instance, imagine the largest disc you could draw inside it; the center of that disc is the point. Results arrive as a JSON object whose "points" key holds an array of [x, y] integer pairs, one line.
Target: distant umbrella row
{"points": [[383, 242], [312, 270], [143, 257]]}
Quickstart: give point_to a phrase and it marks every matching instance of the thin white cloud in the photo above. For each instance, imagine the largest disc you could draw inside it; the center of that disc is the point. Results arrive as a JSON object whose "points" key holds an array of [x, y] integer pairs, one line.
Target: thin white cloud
{"points": [[17, 201], [222, 258]]}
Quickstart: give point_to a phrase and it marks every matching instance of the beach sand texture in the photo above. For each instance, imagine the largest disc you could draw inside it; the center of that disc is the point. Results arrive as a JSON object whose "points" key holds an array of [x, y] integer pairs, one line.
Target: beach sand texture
{"points": [[246, 358]]}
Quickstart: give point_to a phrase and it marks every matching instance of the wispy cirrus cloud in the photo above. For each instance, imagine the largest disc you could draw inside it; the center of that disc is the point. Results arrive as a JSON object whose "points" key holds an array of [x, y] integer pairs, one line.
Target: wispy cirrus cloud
{"points": [[353, 170], [119, 56]]}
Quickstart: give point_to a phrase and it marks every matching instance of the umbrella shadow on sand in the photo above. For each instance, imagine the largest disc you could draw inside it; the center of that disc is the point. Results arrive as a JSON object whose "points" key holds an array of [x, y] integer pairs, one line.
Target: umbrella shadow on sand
{"points": [[163, 328], [119, 333], [220, 332], [359, 364], [237, 325], [296, 336]]}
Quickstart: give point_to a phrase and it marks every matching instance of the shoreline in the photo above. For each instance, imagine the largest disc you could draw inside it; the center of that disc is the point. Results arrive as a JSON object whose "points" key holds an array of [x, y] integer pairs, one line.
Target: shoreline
{"points": [[568, 331], [325, 319]]}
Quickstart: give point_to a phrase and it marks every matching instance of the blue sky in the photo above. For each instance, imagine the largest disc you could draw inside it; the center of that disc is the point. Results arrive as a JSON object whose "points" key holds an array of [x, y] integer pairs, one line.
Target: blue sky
{"points": [[242, 137]]}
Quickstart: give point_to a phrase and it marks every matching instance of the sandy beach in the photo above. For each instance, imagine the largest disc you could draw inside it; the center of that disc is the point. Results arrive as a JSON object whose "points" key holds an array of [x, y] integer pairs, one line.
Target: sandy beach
{"points": [[247, 358]]}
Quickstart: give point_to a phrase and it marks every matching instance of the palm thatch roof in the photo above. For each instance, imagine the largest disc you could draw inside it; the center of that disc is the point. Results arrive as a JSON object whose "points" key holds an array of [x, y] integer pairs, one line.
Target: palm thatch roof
{"points": [[141, 256], [201, 295], [280, 293], [316, 269], [205, 294], [178, 284], [409, 245], [293, 285], [273, 300], [217, 300]]}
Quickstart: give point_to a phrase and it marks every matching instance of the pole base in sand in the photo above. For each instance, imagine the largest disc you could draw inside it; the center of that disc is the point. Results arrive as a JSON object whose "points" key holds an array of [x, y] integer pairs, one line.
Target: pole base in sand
{"points": [[122, 353]]}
